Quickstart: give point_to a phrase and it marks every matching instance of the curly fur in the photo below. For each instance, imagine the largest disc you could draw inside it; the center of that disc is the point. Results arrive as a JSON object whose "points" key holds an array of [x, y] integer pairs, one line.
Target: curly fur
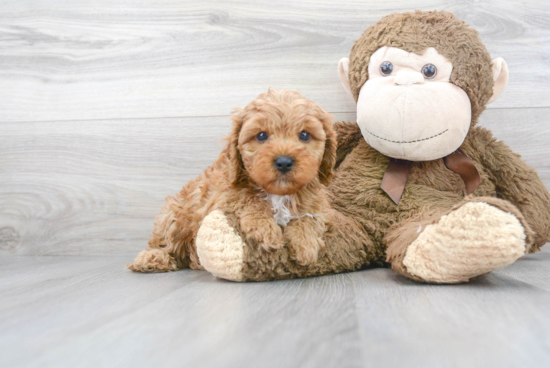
{"points": [[368, 228], [243, 173]]}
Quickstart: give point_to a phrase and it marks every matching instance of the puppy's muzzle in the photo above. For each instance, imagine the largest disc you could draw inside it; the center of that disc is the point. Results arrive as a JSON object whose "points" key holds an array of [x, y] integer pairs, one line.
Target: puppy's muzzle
{"points": [[283, 163]]}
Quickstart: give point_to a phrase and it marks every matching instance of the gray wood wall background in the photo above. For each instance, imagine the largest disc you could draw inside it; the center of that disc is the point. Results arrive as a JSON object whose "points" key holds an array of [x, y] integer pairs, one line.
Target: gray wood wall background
{"points": [[106, 107]]}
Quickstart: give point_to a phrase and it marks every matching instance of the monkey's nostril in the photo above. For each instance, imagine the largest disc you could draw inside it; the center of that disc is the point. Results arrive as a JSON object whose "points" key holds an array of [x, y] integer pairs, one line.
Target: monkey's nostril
{"points": [[283, 163], [405, 77]]}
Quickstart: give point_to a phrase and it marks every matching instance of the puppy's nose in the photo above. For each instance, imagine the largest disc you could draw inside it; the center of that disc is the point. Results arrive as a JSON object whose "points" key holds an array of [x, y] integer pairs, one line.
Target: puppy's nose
{"points": [[284, 163]]}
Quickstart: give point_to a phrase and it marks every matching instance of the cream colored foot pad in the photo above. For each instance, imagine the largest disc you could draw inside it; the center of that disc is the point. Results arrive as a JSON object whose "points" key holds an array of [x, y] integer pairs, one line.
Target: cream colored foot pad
{"points": [[220, 249], [473, 240]]}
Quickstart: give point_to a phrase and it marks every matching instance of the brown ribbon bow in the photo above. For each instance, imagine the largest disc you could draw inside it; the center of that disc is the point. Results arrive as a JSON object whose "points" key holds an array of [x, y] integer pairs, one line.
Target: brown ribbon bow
{"points": [[395, 177]]}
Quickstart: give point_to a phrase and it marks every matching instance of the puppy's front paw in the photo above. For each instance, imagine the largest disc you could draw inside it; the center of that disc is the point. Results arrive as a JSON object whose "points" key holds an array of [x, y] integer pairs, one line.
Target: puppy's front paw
{"points": [[305, 238], [272, 237], [265, 232], [307, 251]]}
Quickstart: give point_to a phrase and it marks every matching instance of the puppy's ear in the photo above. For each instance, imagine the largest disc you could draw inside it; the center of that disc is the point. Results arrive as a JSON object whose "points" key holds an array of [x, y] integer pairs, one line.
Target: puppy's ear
{"points": [[237, 172], [326, 169]]}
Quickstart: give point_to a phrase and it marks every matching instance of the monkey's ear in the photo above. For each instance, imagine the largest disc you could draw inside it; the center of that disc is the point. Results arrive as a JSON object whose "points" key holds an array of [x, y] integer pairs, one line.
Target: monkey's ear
{"points": [[343, 69], [500, 76]]}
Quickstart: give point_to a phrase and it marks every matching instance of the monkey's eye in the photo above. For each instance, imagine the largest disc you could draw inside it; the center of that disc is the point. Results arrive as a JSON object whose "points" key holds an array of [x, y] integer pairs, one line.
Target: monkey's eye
{"points": [[304, 136], [429, 71], [262, 137], [386, 68]]}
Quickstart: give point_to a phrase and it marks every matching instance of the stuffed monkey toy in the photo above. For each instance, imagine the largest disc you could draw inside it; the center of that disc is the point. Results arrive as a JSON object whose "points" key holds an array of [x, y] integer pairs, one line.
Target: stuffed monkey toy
{"points": [[418, 185]]}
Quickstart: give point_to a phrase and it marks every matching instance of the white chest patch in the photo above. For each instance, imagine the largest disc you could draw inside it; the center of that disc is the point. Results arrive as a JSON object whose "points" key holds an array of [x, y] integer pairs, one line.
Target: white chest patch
{"points": [[280, 210]]}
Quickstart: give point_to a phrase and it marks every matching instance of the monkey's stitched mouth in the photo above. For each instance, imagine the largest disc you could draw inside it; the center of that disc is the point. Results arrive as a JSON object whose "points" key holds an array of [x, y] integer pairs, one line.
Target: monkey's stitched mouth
{"points": [[416, 140]]}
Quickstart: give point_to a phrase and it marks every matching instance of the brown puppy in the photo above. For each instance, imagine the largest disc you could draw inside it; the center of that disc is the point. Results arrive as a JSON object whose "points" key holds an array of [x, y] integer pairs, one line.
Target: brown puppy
{"points": [[271, 174]]}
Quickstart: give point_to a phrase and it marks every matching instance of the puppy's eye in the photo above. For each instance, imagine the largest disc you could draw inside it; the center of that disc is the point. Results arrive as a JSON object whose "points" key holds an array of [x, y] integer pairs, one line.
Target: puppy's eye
{"points": [[262, 136], [386, 68], [304, 136], [429, 71]]}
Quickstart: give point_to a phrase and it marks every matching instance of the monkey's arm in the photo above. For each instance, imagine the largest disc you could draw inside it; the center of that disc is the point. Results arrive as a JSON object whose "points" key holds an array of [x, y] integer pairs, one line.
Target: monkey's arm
{"points": [[516, 182], [348, 136]]}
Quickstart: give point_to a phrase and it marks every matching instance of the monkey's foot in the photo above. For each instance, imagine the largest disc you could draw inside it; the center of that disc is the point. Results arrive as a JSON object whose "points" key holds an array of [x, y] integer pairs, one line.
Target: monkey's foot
{"points": [[473, 240], [153, 260], [220, 248]]}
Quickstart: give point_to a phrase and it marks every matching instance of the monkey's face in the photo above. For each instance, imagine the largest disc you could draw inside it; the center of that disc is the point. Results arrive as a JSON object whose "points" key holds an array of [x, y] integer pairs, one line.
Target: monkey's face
{"points": [[408, 109]]}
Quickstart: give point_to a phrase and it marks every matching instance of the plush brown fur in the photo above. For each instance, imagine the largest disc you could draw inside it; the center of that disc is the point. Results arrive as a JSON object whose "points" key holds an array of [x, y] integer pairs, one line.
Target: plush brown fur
{"points": [[241, 178], [403, 233], [368, 228]]}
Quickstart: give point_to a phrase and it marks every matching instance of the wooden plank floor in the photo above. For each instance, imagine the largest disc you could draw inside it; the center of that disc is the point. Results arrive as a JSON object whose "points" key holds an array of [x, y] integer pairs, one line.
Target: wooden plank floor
{"points": [[75, 311], [101, 59], [108, 106]]}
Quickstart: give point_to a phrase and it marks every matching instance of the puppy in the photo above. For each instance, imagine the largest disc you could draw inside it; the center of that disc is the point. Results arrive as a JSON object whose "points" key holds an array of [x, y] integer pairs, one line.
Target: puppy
{"points": [[271, 175]]}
